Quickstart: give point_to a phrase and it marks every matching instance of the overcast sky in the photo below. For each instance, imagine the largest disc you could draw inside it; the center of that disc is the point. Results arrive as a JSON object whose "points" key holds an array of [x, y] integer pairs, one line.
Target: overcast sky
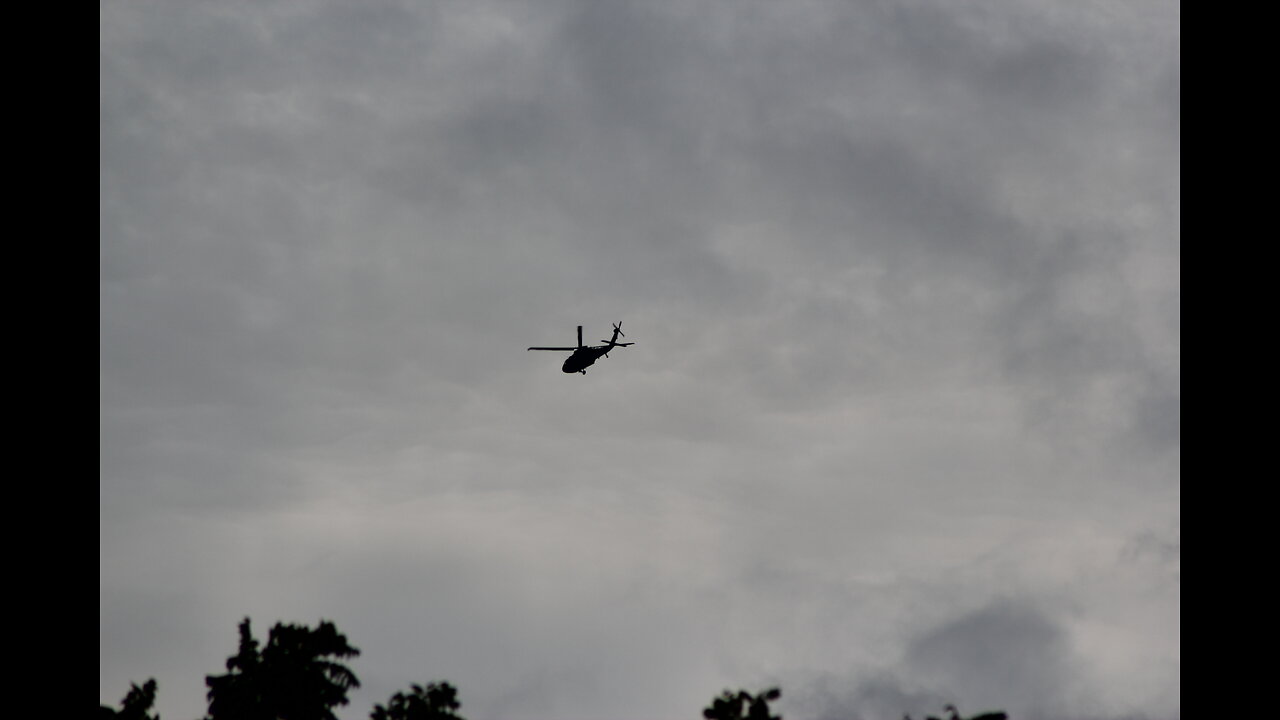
{"points": [[900, 427]]}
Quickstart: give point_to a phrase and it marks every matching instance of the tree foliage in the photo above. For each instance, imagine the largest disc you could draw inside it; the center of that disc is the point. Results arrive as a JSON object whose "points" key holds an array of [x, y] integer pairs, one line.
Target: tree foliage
{"points": [[297, 676], [136, 704], [437, 701], [731, 706]]}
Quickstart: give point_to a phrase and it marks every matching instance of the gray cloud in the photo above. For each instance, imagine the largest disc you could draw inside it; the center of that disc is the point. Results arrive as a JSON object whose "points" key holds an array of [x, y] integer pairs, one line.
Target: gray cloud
{"points": [[904, 404]]}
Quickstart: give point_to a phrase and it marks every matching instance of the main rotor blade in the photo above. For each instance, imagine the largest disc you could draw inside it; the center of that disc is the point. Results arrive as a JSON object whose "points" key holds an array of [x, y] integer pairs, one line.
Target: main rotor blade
{"points": [[550, 348]]}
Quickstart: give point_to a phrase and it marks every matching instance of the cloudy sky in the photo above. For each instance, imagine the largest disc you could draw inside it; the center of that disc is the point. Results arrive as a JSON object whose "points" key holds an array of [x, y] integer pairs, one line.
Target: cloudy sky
{"points": [[900, 427]]}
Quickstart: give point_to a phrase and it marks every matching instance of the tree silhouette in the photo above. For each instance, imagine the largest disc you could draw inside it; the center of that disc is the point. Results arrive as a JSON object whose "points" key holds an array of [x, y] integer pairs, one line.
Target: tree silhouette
{"points": [[290, 679], [730, 706], [136, 704], [437, 701], [299, 676]]}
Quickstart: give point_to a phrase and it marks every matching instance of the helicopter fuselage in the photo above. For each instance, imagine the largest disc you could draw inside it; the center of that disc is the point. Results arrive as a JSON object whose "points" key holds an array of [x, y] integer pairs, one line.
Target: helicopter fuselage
{"points": [[583, 358]]}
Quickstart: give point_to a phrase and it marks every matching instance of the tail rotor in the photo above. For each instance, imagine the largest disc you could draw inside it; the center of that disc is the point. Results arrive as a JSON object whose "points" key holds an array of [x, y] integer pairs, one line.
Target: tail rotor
{"points": [[617, 331]]}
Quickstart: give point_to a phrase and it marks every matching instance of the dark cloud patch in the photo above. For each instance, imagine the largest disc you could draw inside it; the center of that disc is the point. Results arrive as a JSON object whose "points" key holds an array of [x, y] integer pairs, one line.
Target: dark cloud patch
{"points": [[1159, 418], [629, 58], [1008, 54], [1009, 655]]}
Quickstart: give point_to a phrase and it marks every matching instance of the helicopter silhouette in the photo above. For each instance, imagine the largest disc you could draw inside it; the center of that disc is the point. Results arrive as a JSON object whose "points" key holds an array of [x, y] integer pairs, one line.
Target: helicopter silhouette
{"points": [[584, 356]]}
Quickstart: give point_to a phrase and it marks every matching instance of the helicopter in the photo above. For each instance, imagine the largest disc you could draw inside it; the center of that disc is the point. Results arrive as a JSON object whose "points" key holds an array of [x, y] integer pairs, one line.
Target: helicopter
{"points": [[584, 356]]}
